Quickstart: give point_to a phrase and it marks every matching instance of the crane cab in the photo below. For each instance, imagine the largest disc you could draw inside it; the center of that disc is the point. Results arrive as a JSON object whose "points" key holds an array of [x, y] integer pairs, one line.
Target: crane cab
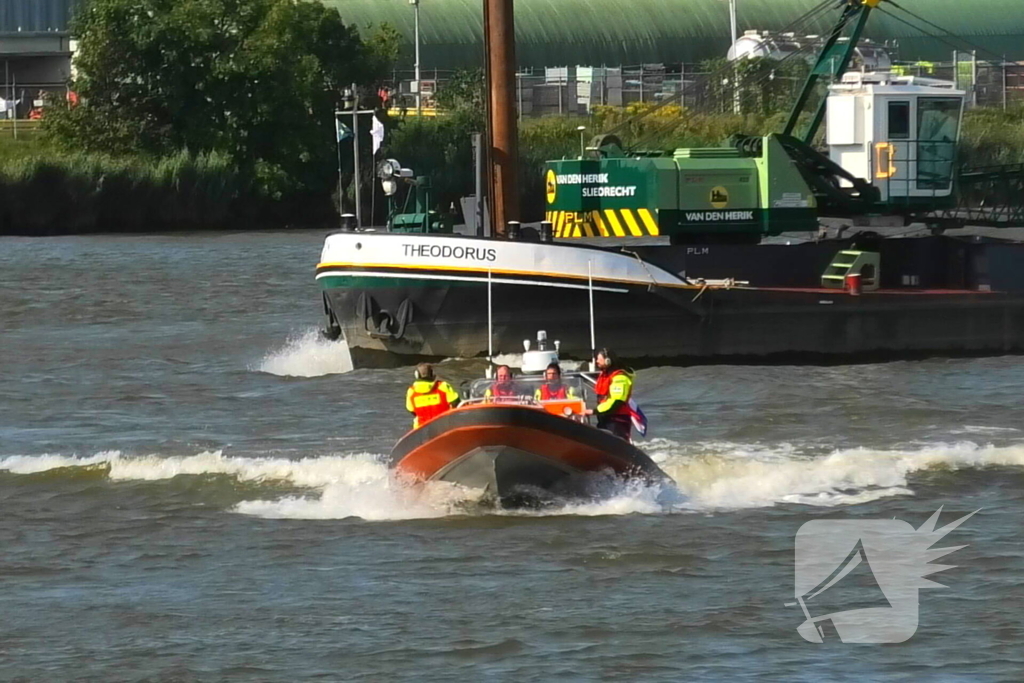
{"points": [[898, 132]]}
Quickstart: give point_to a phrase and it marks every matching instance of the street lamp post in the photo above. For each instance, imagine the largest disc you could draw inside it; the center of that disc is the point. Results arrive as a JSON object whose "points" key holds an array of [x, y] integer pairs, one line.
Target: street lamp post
{"points": [[416, 41], [355, 155], [350, 100], [337, 142], [735, 81], [732, 20]]}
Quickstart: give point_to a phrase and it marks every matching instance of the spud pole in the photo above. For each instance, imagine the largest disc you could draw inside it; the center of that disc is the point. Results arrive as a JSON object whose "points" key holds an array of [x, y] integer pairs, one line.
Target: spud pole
{"points": [[499, 35]]}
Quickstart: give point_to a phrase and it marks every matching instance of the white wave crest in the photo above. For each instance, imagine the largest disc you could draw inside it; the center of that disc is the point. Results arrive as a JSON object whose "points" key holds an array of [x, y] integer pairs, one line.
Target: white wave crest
{"points": [[710, 476], [730, 476], [309, 355], [33, 464], [312, 472], [978, 429], [383, 498]]}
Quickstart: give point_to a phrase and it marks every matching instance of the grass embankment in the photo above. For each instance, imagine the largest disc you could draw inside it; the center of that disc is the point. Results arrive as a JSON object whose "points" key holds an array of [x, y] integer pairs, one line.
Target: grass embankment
{"points": [[45, 193]]}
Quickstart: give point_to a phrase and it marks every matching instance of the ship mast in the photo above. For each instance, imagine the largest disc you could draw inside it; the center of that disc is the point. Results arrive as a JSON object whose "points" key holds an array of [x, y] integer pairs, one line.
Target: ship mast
{"points": [[502, 130]]}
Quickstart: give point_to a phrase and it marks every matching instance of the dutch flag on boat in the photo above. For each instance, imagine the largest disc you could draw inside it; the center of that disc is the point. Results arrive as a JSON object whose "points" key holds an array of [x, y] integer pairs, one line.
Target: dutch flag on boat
{"points": [[638, 418]]}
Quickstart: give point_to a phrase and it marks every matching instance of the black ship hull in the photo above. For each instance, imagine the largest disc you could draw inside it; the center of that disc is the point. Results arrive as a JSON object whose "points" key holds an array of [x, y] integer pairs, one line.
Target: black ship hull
{"points": [[390, 317]]}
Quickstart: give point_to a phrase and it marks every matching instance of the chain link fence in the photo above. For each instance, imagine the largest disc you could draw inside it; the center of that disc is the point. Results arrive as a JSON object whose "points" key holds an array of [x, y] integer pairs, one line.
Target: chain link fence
{"points": [[562, 91]]}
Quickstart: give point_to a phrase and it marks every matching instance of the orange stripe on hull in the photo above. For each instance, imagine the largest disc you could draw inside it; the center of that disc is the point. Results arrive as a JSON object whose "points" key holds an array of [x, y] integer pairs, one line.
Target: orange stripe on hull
{"points": [[429, 458]]}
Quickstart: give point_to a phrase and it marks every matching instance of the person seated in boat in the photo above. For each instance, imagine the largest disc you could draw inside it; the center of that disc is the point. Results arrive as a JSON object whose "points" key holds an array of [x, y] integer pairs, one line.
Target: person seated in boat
{"points": [[428, 396], [614, 388], [553, 388], [503, 388]]}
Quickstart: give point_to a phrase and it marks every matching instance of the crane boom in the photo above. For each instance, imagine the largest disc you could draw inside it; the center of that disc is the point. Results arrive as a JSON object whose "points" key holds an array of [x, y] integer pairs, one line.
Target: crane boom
{"points": [[832, 61]]}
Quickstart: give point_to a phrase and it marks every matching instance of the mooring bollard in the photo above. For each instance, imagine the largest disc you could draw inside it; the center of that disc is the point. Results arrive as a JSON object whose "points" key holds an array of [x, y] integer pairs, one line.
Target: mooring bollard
{"points": [[513, 231], [547, 232], [348, 222]]}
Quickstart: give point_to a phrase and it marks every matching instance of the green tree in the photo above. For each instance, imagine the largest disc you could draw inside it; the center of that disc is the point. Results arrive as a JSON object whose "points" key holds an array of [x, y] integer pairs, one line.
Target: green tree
{"points": [[258, 80], [444, 143], [463, 94]]}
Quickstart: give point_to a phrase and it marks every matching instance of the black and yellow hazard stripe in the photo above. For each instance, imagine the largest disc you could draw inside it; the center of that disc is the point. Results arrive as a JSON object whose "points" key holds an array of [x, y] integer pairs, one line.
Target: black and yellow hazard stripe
{"points": [[604, 223]]}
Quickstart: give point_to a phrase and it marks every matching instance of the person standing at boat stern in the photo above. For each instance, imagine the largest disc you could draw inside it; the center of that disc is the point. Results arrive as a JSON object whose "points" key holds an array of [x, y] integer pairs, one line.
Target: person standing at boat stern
{"points": [[428, 396], [553, 389], [614, 389]]}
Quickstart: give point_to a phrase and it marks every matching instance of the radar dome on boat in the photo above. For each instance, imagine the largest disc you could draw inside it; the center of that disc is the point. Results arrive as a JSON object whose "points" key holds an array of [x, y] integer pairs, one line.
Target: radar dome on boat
{"points": [[539, 359]]}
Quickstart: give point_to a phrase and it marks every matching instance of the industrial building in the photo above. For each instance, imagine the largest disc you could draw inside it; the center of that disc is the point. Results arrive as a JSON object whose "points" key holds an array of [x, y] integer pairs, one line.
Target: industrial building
{"points": [[630, 32], [36, 46], [35, 51]]}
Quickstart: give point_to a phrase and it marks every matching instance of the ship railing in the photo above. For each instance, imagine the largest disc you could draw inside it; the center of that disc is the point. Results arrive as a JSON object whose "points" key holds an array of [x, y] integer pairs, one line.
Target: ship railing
{"points": [[911, 171]]}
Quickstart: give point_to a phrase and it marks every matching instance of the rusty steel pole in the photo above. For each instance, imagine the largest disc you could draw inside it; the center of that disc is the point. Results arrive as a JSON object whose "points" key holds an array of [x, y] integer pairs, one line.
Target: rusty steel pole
{"points": [[503, 133]]}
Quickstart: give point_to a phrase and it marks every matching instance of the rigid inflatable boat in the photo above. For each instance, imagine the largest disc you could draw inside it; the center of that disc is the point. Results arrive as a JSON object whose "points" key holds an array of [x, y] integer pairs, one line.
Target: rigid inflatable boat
{"points": [[522, 449]]}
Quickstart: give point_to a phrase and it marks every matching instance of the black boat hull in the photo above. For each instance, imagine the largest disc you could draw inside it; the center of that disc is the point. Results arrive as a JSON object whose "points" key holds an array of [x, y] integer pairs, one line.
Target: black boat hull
{"points": [[398, 300], [648, 327]]}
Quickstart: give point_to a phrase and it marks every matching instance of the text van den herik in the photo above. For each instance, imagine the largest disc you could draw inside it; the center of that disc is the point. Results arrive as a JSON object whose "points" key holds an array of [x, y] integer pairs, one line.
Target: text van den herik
{"points": [[451, 251]]}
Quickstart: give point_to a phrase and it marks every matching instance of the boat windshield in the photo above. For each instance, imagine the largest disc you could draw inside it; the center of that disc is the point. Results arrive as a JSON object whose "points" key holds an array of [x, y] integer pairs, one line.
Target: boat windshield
{"points": [[527, 390]]}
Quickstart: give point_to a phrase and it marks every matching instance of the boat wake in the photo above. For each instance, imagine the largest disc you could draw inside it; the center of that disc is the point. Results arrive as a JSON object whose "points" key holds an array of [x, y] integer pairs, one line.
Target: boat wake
{"points": [[726, 476], [710, 477], [308, 355]]}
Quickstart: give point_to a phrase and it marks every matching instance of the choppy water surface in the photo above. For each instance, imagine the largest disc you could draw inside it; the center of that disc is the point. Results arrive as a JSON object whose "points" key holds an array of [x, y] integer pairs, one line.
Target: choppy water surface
{"points": [[191, 489]]}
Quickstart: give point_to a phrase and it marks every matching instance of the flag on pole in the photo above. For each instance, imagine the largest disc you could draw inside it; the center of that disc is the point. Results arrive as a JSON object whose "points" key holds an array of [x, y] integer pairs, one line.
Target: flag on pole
{"points": [[377, 133], [638, 418], [343, 131]]}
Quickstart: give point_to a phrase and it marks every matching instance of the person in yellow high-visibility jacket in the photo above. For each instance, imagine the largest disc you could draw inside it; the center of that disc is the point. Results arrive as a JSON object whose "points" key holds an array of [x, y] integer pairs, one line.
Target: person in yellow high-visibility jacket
{"points": [[614, 389], [429, 397]]}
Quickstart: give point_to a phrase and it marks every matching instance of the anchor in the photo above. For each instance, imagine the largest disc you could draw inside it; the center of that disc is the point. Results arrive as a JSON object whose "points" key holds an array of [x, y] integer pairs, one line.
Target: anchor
{"points": [[380, 323]]}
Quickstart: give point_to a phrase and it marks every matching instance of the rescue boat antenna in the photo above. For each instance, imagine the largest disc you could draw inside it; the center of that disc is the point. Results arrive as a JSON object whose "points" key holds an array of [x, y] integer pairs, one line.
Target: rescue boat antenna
{"points": [[490, 326], [590, 291]]}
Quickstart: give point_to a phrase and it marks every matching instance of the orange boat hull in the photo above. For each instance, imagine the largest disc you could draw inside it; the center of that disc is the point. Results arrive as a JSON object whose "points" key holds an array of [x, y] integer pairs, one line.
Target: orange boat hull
{"points": [[520, 455]]}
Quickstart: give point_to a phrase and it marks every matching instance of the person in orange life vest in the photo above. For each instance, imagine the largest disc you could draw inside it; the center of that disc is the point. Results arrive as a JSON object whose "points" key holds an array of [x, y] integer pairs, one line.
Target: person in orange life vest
{"points": [[553, 389], [503, 387], [429, 397], [614, 389]]}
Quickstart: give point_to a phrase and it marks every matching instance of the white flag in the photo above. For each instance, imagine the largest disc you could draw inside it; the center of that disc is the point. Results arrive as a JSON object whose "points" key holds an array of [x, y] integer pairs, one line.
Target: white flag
{"points": [[377, 133]]}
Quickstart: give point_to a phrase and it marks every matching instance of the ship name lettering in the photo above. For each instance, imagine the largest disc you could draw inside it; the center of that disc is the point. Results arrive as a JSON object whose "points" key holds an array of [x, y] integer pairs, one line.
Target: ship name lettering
{"points": [[451, 251]]}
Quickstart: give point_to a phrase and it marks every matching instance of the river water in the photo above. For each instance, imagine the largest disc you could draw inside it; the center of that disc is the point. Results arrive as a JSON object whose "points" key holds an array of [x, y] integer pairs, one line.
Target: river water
{"points": [[191, 489]]}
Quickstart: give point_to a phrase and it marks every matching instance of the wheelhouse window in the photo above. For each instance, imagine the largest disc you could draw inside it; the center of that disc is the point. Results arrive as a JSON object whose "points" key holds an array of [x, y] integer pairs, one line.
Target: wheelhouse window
{"points": [[899, 120], [938, 126]]}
